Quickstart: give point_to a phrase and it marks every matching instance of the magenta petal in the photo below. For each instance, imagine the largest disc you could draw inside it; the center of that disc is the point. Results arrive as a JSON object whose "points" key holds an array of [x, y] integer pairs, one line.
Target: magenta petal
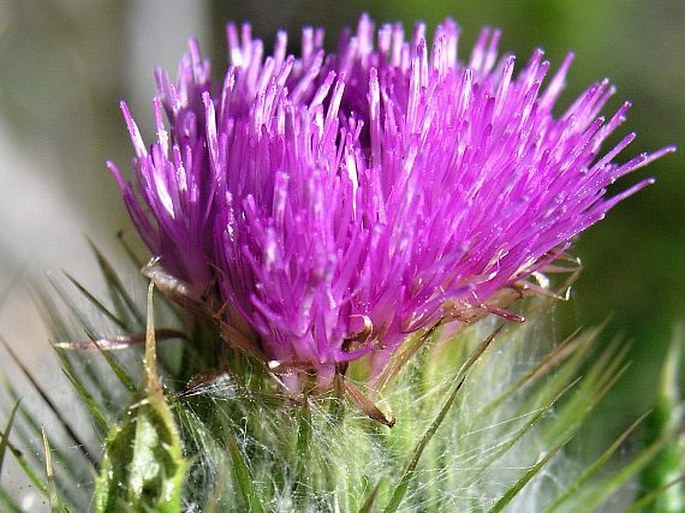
{"points": [[382, 182]]}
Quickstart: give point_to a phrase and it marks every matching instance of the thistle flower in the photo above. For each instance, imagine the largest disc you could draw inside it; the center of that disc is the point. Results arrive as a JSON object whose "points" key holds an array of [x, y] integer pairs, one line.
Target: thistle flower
{"points": [[335, 203]]}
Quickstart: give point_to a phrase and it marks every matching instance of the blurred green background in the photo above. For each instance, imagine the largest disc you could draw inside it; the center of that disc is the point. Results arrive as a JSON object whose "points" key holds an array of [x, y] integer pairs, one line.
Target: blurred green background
{"points": [[64, 64]]}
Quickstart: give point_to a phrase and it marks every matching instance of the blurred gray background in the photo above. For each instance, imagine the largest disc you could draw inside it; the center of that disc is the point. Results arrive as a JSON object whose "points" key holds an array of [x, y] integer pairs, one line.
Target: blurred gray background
{"points": [[64, 65]]}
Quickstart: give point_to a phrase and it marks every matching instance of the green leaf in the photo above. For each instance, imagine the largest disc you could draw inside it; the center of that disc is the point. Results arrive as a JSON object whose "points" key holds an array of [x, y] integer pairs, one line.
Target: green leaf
{"points": [[143, 466]]}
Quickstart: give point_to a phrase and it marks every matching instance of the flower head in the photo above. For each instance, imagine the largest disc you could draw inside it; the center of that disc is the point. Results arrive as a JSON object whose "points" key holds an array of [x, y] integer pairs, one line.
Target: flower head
{"points": [[338, 202]]}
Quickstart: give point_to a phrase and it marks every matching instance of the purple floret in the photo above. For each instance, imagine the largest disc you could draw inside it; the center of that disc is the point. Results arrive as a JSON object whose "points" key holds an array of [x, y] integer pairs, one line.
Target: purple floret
{"points": [[338, 202]]}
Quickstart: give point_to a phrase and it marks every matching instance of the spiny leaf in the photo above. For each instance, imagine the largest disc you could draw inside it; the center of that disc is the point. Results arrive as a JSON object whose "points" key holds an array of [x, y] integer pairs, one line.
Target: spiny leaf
{"points": [[152, 384], [27, 467], [403, 355], [16, 453], [568, 371], [29, 470], [487, 457], [365, 404], [99, 305], [130, 253], [648, 499], [213, 503], [95, 381], [243, 475], [602, 376], [105, 345], [143, 465], [302, 453], [9, 503], [6, 434], [124, 304], [371, 499], [597, 492], [76, 469], [53, 494], [48, 402], [90, 402], [571, 348], [592, 470], [512, 492], [460, 378], [117, 369]]}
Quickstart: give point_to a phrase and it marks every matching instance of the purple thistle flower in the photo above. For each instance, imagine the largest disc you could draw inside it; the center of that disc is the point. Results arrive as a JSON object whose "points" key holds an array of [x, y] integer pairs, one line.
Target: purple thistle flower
{"points": [[342, 201]]}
